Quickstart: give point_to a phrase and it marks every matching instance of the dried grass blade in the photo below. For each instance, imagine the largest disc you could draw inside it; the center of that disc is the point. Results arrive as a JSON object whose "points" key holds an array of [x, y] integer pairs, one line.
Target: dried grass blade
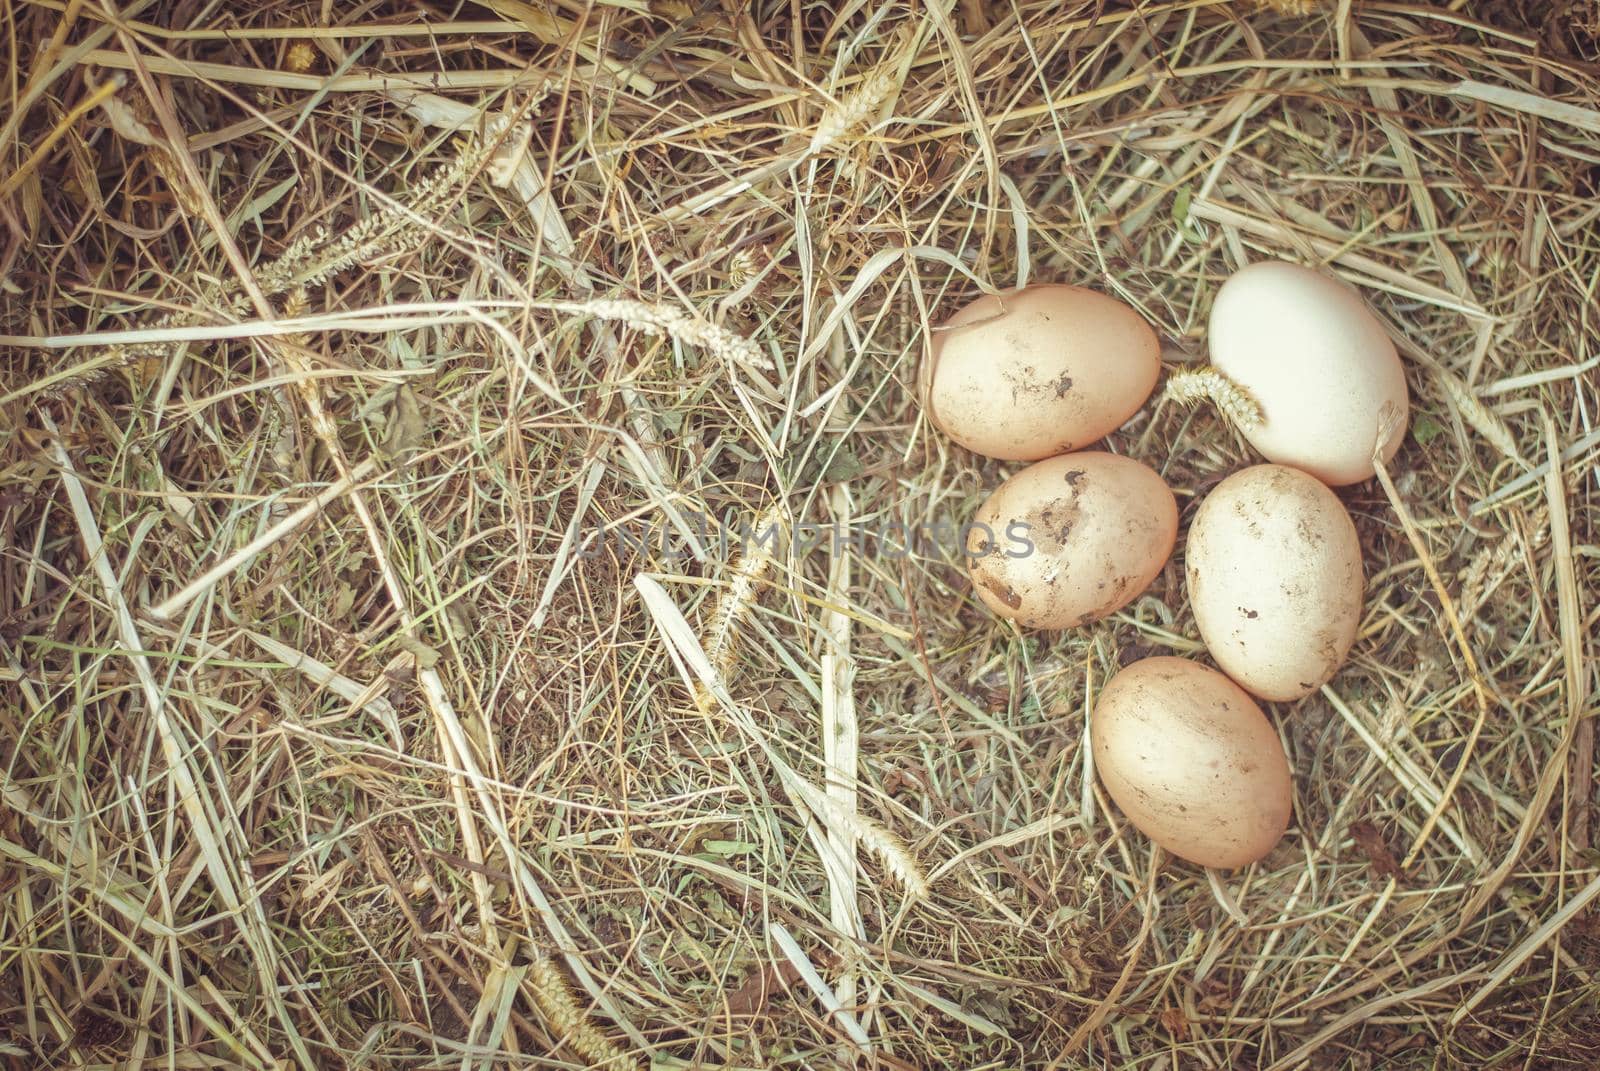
{"points": [[1574, 657], [195, 800], [1514, 959], [325, 676], [697, 671], [1480, 689], [841, 743], [796, 955], [171, 606]]}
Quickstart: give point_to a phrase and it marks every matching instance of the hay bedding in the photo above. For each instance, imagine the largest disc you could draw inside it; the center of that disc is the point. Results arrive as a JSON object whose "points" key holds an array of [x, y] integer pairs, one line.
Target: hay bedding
{"points": [[377, 316]]}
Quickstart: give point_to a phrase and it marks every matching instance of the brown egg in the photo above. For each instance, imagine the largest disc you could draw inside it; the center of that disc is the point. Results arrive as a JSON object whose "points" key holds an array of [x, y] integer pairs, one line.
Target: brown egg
{"points": [[1039, 371], [1273, 566], [1319, 364], [1071, 539], [1192, 762]]}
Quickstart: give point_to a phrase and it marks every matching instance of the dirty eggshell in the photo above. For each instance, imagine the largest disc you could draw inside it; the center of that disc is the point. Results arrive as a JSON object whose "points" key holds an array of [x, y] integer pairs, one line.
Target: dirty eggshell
{"points": [[1307, 348], [1038, 371], [1273, 566], [1192, 762], [1071, 539]]}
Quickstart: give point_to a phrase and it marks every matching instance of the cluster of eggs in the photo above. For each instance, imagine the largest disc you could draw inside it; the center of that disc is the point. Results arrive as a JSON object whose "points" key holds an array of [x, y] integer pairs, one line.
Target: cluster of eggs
{"points": [[1272, 563]]}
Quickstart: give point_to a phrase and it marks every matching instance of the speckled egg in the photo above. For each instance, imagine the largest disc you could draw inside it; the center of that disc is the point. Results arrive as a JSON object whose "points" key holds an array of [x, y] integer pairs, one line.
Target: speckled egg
{"points": [[1192, 762], [1039, 371], [1071, 539], [1273, 567]]}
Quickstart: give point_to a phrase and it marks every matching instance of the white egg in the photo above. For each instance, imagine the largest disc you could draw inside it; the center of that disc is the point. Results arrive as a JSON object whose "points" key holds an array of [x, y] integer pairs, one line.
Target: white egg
{"points": [[1316, 360]]}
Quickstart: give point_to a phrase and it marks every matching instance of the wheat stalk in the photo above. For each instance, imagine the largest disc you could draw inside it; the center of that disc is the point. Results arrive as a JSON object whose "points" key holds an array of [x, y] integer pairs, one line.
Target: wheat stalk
{"points": [[1209, 384], [1475, 413], [846, 115], [875, 839], [568, 1021], [719, 638], [656, 318], [880, 842], [309, 260], [314, 257], [550, 989], [300, 57], [719, 641], [1495, 559], [1289, 7], [129, 122]]}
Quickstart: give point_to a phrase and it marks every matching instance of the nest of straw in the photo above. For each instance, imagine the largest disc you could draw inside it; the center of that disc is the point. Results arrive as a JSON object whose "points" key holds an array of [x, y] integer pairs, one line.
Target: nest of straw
{"points": [[336, 735]]}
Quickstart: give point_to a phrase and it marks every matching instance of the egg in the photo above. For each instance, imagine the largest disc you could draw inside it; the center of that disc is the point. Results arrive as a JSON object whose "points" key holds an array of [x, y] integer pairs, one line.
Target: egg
{"points": [[1273, 567], [1318, 363], [1191, 761], [1071, 539], [1039, 371]]}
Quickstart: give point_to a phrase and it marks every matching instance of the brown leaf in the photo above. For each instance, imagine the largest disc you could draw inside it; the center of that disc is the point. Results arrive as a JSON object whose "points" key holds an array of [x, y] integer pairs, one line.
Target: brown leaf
{"points": [[759, 986], [1215, 994], [407, 427], [1373, 846], [1176, 1023]]}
